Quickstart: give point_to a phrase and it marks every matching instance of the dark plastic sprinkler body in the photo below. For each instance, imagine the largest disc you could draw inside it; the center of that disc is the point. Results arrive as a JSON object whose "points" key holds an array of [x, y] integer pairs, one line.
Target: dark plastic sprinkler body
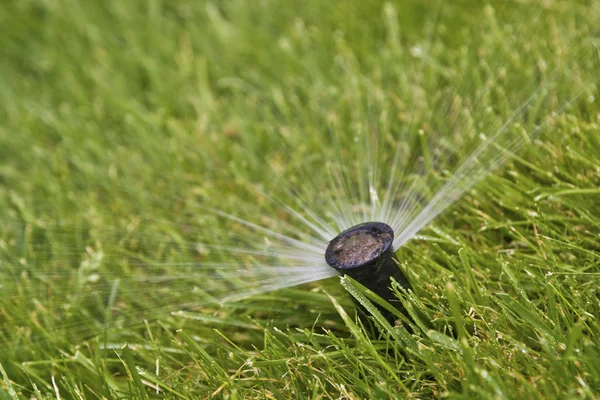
{"points": [[364, 252]]}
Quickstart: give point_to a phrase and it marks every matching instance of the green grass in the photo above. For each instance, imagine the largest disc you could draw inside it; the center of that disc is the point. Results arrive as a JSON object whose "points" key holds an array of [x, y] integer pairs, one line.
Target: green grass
{"points": [[118, 119]]}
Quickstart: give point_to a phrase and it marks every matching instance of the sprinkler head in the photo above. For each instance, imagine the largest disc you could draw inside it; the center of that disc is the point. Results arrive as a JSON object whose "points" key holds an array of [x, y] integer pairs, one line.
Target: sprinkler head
{"points": [[364, 252], [359, 246]]}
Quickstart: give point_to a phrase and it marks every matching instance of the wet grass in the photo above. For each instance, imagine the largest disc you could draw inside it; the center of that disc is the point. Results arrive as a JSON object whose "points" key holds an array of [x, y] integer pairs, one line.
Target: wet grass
{"points": [[118, 119]]}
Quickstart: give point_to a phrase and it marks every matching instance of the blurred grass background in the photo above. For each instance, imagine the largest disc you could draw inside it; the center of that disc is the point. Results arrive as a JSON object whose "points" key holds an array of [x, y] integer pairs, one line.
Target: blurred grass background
{"points": [[118, 118]]}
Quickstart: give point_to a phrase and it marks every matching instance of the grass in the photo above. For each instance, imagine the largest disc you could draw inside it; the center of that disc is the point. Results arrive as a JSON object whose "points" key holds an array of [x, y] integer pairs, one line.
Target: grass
{"points": [[118, 119]]}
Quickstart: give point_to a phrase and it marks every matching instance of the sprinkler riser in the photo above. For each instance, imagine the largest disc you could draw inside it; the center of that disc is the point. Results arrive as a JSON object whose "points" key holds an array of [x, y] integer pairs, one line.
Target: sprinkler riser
{"points": [[365, 253]]}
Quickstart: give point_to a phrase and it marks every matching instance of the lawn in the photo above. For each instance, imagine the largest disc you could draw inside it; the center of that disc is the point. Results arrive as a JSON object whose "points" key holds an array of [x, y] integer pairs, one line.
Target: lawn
{"points": [[153, 153]]}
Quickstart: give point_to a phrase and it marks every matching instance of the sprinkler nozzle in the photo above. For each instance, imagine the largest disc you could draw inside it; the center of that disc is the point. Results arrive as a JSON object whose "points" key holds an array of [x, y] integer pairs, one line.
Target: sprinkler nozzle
{"points": [[364, 252]]}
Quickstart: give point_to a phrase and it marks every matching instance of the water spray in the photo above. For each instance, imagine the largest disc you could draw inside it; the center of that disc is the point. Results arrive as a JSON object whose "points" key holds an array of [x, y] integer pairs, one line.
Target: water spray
{"points": [[365, 253]]}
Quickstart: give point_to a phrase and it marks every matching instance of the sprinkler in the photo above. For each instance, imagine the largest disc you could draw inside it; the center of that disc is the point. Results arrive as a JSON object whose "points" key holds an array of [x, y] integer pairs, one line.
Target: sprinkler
{"points": [[364, 252]]}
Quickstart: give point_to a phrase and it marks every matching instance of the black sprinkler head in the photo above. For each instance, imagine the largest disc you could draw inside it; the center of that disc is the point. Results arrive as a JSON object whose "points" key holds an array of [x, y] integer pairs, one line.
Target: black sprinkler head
{"points": [[359, 246], [364, 252]]}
